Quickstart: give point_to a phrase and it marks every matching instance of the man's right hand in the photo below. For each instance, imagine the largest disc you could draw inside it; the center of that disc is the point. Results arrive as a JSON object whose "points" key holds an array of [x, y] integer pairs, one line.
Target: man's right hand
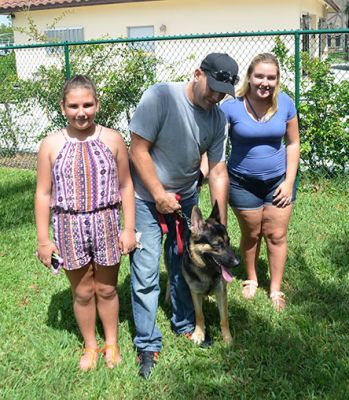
{"points": [[167, 203]]}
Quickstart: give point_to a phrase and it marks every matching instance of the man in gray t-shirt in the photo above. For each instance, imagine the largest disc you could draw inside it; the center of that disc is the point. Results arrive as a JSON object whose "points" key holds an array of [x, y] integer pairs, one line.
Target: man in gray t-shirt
{"points": [[173, 126]]}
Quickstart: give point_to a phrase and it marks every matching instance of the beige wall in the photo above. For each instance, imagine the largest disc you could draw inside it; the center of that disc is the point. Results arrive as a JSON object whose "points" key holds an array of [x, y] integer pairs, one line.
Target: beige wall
{"points": [[312, 7], [315, 9], [179, 17]]}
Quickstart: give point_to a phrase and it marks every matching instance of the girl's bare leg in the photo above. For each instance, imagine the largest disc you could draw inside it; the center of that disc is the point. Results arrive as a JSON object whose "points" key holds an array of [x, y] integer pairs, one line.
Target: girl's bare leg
{"points": [[84, 305], [108, 310]]}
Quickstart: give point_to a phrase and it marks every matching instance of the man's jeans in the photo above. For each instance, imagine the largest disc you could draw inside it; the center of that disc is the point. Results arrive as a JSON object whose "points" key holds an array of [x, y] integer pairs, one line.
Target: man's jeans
{"points": [[145, 272]]}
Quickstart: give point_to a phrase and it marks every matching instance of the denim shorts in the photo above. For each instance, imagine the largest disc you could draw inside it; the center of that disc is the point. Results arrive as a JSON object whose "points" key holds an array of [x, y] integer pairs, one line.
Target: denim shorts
{"points": [[247, 193]]}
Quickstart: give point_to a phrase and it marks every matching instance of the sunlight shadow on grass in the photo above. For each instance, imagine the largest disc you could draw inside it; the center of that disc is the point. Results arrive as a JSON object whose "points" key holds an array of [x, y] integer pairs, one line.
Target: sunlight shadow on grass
{"points": [[124, 291], [17, 210], [60, 312]]}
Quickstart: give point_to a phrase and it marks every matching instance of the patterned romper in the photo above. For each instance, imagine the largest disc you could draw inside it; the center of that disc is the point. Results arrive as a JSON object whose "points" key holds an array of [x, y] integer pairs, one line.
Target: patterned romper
{"points": [[85, 204]]}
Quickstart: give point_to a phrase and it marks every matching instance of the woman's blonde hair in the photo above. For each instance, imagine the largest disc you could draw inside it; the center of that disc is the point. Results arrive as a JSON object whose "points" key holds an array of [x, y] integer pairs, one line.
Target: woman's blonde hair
{"points": [[244, 88]]}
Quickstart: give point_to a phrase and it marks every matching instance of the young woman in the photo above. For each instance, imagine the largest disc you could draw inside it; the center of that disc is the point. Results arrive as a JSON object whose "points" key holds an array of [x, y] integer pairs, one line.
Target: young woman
{"points": [[262, 170]]}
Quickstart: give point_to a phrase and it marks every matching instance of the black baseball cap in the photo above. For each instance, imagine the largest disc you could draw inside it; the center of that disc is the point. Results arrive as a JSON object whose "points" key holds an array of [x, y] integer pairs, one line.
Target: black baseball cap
{"points": [[222, 72]]}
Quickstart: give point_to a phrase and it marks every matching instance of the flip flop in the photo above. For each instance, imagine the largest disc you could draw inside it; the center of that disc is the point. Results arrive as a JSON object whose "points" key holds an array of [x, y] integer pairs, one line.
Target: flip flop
{"points": [[278, 300], [92, 361], [115, 358], [249, 288]]}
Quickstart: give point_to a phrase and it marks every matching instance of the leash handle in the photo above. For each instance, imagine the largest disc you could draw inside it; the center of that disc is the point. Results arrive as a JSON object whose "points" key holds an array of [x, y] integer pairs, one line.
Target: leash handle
{"points": [[162, 222], [179, 227]]}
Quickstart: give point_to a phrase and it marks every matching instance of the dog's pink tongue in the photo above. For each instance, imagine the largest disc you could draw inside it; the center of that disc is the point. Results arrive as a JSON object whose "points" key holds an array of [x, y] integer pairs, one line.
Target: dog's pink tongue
{"points": [[226, 274]]}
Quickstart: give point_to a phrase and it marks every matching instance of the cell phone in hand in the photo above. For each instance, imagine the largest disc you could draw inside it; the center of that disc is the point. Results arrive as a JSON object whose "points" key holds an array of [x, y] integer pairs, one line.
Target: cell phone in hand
{"points": [[56, 263]]}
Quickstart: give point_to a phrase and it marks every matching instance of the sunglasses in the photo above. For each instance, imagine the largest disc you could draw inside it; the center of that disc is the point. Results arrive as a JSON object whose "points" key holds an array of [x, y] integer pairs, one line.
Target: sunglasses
{"points": [[224, 76]]}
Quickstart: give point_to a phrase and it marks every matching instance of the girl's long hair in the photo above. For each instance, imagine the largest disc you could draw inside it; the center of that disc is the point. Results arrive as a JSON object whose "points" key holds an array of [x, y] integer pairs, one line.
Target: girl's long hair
{"points": [[245, 87]]}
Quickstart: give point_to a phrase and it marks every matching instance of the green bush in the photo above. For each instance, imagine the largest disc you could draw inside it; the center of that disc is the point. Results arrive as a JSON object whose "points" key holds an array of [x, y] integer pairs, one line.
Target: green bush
{"points": [[324, 119], [323, 113], [7, 66], [120, 82], [121, 73]]}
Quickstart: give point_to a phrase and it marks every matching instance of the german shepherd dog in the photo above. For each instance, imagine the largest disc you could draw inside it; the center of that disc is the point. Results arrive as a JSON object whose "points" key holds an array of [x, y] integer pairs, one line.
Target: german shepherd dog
{"points": [[206, 266]]}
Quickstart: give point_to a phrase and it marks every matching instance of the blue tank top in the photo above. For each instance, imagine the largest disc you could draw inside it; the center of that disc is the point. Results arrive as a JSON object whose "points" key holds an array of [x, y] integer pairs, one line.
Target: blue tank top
{"points": [[257, 148]]}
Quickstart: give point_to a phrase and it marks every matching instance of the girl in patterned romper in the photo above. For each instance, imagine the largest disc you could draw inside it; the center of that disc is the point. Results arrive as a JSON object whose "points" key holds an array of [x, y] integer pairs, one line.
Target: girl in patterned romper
{"points": [[83, 177]]}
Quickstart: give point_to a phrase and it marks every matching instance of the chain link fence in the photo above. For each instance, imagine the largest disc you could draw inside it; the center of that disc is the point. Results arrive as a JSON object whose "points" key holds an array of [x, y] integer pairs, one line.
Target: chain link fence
{"points": [[315, 72]]}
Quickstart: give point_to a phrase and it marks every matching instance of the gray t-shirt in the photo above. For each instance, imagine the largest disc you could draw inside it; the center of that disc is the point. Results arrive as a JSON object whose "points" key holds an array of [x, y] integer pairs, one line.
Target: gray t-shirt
{"points": [[180, 133]]}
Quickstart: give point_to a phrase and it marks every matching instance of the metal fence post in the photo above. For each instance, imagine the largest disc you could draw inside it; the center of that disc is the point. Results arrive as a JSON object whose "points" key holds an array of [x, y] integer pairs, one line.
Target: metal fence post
{"points": [[67, 63], [297, 66]]}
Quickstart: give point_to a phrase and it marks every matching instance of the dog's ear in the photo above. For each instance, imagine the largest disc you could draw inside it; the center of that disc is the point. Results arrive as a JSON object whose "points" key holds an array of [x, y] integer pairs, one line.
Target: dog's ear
{"points": [[197, 222], [215, 213]]}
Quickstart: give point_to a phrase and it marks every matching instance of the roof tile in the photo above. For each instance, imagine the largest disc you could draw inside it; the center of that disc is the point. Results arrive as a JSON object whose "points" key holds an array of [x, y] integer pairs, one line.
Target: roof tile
{"points": [[12, 4]]}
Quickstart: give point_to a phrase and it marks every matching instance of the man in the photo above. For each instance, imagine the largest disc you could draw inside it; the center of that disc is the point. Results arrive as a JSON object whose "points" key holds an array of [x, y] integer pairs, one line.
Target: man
{"points": [[173, 126]]}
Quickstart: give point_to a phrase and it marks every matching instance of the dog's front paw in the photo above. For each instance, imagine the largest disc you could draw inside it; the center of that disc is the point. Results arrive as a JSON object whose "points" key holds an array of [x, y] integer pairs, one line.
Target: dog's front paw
{"points": [[227, 337], [198, 336]]}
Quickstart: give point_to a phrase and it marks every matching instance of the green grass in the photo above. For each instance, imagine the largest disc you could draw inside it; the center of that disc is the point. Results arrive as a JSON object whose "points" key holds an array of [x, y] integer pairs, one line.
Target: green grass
{"points": [[302, 353], [337, 57]]}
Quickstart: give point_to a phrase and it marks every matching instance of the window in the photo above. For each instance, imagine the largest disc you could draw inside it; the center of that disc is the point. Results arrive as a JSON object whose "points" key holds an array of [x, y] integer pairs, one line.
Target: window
{"points": [[140, 32], [338, 40], [329, 40], [63, 35]]}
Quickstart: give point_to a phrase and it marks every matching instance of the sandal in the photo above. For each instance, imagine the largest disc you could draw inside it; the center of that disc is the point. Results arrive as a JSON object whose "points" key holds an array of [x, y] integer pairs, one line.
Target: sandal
{"points": [[92, 360], [249, 288], [278, 300], [115, 357]]}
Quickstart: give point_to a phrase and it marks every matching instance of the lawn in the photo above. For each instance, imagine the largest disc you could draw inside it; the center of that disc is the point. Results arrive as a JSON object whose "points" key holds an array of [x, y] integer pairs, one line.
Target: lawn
{"points": [[302, 353]]}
